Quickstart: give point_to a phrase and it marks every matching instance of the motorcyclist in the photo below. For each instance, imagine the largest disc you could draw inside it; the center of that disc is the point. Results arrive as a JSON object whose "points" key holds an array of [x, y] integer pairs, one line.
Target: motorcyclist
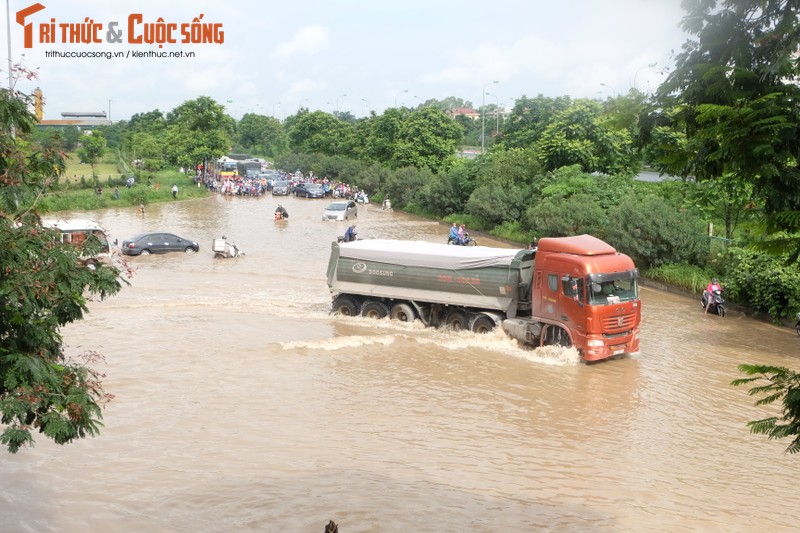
{"points": [[710, 288], [454, 234], [350, 234]]}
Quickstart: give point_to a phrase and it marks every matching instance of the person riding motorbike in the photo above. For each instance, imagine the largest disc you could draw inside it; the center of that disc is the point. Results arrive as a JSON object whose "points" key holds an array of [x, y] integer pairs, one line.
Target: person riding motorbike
{"points": [[350, 234], [710, 288], [453, 234]]}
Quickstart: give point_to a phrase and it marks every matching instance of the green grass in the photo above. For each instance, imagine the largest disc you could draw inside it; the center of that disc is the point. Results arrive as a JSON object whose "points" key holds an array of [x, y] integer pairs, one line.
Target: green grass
{"points": [[689, 277], [79, 174], [73, 198]]}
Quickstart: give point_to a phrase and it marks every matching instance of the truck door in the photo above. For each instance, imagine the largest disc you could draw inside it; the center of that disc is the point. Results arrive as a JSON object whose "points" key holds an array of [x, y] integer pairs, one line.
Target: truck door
{"points": [[547, 285]]}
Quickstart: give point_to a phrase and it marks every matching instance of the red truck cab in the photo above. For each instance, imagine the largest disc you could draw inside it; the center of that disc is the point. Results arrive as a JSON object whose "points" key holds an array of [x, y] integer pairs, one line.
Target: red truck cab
{"points": [[585, 290]]}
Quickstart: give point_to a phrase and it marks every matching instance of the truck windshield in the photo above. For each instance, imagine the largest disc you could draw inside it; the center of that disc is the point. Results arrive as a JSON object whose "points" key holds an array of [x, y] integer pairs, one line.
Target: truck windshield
{"points": [[612, 291]]}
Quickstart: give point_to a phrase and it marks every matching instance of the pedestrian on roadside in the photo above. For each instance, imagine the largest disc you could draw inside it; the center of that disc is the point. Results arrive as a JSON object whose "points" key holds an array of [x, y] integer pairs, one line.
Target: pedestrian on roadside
{"points": [[175, 191]]}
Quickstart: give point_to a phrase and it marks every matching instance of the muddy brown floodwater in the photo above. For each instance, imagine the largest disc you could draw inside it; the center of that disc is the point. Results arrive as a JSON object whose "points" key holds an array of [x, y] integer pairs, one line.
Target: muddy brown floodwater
{"points": [[241, 405]]}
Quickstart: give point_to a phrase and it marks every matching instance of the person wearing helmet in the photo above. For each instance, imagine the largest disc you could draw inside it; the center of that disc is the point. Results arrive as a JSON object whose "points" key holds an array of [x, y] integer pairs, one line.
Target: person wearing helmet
{"points": [[713, 286]]}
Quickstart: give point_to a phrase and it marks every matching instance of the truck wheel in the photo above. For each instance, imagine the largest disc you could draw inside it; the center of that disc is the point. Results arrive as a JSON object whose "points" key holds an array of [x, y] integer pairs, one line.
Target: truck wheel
{"points": [[344, 306], [403, 313], [556, 336], [482, 324], [456, 320], [375, 310]]}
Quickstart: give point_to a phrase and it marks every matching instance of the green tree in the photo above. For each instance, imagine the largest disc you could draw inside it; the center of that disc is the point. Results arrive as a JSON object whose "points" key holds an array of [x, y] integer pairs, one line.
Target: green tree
{"points": [[44, 286], [653, 232], [262, 134], [581, 135], [734, 93], [427, 138], [93, 147], [148, 149], [779, 384], [530, 117], [197, 131], [319, 132]]}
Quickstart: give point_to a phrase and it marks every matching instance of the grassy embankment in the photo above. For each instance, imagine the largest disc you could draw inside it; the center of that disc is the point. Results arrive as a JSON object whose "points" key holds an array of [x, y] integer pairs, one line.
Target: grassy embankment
{"points": [[77, 188]]}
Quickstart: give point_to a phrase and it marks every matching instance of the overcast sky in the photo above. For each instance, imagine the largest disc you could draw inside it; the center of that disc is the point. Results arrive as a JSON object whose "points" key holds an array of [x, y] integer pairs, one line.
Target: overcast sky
{"points": [[354, 55]]}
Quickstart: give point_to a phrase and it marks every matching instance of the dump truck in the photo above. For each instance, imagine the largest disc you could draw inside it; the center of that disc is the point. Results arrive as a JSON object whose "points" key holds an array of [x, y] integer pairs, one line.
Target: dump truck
{"points": [[569, 291]]}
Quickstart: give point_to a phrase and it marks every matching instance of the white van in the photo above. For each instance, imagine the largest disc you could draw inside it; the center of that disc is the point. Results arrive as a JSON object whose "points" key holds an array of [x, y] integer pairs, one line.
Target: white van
{"points": [[76, 231]]}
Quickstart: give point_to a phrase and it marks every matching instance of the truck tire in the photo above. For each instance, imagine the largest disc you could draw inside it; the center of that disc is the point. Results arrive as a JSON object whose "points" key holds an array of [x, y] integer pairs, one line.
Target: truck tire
{"points": [[403, 313], [456, 320], [482, 324], [374, 310], [556, 336], [344, 306]]}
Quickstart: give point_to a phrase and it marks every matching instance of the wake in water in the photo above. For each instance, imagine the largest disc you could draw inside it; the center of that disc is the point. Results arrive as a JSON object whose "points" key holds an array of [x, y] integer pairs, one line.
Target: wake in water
{"points": [[392, 330]]}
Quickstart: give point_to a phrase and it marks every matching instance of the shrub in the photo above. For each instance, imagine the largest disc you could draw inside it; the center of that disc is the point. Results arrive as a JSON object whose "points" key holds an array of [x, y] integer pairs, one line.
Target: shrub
{"points": [[654, 233], [765, 283]]}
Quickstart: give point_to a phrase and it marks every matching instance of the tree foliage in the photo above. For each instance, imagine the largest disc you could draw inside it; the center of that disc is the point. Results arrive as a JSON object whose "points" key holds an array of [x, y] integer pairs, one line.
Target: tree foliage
{"points": [[93, 147], [43, 286], [781, 385], [734, 95]]}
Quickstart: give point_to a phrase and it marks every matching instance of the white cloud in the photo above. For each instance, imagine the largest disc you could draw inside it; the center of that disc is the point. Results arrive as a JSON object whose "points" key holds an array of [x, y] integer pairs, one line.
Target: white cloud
{"points": [[307, 41]]}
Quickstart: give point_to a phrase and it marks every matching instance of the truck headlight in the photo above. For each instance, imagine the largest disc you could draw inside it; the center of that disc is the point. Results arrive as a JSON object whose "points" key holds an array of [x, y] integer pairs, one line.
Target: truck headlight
{"points": [[595, 342]]}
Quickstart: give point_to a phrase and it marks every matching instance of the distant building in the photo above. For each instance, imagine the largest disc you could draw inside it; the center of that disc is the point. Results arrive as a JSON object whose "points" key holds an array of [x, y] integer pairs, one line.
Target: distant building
{"points": [[82, 119], [464, 112]]}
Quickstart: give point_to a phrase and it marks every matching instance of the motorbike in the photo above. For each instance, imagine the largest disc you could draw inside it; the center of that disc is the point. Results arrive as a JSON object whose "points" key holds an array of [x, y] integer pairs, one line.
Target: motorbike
{"points": [[467, 241], [797, 324], [387, 204], [224, 249], [717, 302]]}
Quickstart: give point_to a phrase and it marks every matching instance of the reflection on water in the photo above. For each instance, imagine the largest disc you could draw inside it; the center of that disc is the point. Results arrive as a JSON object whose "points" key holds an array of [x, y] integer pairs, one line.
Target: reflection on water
{"points": [[241, 404]]}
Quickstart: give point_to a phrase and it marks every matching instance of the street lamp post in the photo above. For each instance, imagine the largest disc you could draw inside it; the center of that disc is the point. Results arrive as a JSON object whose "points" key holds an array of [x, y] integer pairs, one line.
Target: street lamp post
{"points": [[496, 114], [398, 94], [651, 65], [337, 102], [368, 107], [483, 116], [610, 87], [300, 104], [273, 109]]}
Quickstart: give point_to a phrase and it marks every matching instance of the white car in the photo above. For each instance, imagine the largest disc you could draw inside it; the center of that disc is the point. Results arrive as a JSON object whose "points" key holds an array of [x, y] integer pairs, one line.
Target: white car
{"points": [[341, 210]]}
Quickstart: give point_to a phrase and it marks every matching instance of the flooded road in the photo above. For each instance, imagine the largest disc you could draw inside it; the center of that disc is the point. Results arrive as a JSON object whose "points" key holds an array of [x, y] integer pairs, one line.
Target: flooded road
{"points": [[241, 405]]}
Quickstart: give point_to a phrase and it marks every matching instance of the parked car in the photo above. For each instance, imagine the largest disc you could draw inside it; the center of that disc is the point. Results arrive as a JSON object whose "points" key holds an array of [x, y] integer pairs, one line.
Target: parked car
{"points": [[157, 243], [280, 188], [309, 190], [341, 210]]}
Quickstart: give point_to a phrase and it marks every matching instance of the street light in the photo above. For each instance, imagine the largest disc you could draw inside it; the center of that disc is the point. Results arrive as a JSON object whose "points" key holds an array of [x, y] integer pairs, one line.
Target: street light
{"points": [[337, 103], [398, 94], [610, 87], [651, 65], [496, 114], [300, 104], [273, 109], [368, 106], [483, 115]]}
